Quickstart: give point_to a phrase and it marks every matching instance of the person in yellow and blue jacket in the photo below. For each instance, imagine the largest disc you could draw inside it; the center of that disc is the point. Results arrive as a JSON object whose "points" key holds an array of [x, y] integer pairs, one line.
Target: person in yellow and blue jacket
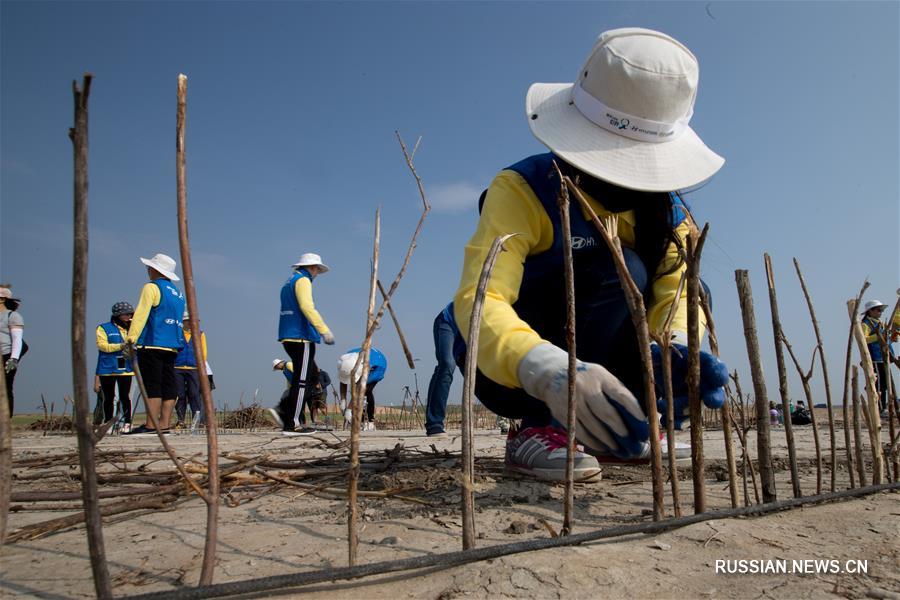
{"points": [[300, 328], [877, 339], [187, 377], [156, 333], [621, 133], [114, 369]]}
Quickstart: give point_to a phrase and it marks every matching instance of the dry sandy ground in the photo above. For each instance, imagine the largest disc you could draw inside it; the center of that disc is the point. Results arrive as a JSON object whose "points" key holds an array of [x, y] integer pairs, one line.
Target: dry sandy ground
{"points": [[289, 531]]}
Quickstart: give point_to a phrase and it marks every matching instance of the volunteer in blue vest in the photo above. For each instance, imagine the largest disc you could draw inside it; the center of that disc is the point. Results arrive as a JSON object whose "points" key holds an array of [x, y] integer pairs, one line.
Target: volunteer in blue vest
{"points": [[318, 396], [114, 369], [155, 332], [187, 377], [621, 131], [876, 335], [377, 371], [448, 344], [300, 328]]}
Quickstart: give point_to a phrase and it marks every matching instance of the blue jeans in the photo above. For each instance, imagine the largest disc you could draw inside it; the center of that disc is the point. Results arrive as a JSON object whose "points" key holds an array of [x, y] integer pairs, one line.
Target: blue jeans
{"points": [[439, 387]]}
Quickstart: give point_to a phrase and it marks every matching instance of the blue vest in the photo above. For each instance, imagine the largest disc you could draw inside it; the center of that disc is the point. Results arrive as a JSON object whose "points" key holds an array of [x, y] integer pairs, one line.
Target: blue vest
{"points": [[541, 300], [108, 362], [163, 328], [377, 364], [186, 356], [292, 323], [875, 347]]}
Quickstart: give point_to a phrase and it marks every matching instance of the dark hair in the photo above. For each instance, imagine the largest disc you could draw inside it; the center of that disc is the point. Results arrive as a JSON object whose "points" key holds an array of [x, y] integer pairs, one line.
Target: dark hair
{"points": [[11, 304]]}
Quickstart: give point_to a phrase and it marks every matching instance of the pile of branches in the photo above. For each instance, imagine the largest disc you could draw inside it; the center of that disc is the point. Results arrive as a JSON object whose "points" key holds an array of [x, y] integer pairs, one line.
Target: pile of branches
{"points": [[247, 417], [52, 423]]}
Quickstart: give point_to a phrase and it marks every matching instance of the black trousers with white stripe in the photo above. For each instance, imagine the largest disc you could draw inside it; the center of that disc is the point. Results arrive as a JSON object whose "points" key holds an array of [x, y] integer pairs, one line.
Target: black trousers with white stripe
{"points": [[303, 355]]}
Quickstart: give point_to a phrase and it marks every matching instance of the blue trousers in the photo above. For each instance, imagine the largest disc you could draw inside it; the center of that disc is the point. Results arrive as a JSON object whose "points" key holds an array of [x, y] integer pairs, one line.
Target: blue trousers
{"points": [[439, 386]]}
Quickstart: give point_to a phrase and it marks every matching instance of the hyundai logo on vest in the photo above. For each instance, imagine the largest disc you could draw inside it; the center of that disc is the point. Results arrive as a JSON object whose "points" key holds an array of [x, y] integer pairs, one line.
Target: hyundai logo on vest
{"points": [[579, 242]]}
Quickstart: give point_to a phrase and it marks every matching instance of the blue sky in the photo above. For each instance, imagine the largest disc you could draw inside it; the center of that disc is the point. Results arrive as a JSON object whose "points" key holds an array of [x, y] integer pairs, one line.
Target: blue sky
{"points": [[292, 108]]}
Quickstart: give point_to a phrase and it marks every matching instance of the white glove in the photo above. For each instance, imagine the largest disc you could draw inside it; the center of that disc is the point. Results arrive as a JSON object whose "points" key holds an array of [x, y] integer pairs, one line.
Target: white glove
{"points": [[607, 417], [328, 338]]}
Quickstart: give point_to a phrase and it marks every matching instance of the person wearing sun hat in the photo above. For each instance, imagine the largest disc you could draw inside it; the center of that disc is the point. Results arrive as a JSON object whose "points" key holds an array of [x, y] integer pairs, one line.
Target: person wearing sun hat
{"points": [[876, 340], [12, 343], [300, 328], [156, 333], [621, 131]]}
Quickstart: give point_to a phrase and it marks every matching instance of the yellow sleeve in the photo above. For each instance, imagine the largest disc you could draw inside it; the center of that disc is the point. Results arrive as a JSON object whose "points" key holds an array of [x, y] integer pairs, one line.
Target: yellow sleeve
{"points": [[510, 207], [870, 333], [149, 298], [665, 286], [203, 344], [103, 342], [303, 291]]}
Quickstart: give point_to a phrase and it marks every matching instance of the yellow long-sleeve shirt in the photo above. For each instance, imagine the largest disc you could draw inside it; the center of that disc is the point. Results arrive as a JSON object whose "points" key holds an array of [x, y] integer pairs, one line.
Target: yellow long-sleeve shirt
{"points": [[187, 340], [303, 292], [150, 297], [511, 206], [104, 345]]}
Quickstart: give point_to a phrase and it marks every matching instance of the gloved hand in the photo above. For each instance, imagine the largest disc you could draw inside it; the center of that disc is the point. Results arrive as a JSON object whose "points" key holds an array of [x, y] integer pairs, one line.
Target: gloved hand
{"points": [[608, 416], [713, 377], [328, 338], [11, 365], [128, 350]]}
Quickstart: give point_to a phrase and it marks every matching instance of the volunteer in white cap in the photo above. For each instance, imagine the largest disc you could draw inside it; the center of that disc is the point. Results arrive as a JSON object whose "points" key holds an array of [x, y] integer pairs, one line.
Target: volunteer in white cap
{"points": [[12, 343], [621, 131], [876, 339], [300, 328], [156, 333]]}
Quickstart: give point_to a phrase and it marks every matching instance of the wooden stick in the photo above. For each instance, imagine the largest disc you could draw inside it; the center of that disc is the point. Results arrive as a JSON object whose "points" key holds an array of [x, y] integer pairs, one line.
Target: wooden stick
{"points": [[357, 391], [742, 430], [778, 334], [725, 411], [468, 455], [390, 307], [5, 456], [888, 387], [871, 394], [857, 431], [569, 496], [821, 349], [187, 269], [634, 299], [845, 402], [804, 378], [79, 136], [694, 249], [763, 446]]}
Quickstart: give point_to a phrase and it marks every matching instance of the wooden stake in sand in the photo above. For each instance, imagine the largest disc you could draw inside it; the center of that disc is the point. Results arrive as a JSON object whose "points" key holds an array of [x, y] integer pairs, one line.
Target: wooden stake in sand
{"points": [[845, 405], [694, 249], [572, 372], [212, 499], [468, 455], [390, 307], [782, 379], [763, 445], [79, 136], [871, 395], [820, 347], [725, 411], [857, 430], [634, 299], [804, 378]]}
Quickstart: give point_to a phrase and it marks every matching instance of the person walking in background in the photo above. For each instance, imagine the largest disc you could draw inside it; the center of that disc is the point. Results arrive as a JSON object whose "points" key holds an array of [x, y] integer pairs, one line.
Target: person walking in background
{"points": [[187, 377], [300, 328], [12, 343], [316, 399], [448, 344], [114, 369], [377, 371], [621, 133], [876, 339], [156, 333]]}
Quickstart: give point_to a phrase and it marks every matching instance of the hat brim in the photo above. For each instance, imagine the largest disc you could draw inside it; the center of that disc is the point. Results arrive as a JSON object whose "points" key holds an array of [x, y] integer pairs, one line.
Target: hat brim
{"points": [[156, 266], [653, 167], [323, 267]]}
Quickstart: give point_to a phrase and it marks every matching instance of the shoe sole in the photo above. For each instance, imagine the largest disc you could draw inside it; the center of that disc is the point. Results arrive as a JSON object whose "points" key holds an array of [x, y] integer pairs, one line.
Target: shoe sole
{"points": [[586, 475], [298, 433]]}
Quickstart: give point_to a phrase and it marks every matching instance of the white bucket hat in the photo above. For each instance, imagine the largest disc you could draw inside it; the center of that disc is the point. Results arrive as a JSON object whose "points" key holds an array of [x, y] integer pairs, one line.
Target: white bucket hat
{"points": [[625, 119], [164, 264], [6, 294], [310, 259], [872, 304], [345, 367], [276, 362]]}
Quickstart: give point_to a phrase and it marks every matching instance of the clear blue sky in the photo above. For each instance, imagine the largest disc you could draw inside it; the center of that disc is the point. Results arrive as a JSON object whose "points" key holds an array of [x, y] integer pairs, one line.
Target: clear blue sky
{"points": [[292, 109]]}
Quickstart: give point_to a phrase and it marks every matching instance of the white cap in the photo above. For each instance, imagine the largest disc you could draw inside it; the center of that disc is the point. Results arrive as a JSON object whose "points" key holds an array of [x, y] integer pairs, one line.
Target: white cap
{"points": [[872, 304], [345, 367], [277, 362]]}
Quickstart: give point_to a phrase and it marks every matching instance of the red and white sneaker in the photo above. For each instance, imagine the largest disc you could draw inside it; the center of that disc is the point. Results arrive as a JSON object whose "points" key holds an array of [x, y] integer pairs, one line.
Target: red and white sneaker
{"points": [[541, 453]]}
